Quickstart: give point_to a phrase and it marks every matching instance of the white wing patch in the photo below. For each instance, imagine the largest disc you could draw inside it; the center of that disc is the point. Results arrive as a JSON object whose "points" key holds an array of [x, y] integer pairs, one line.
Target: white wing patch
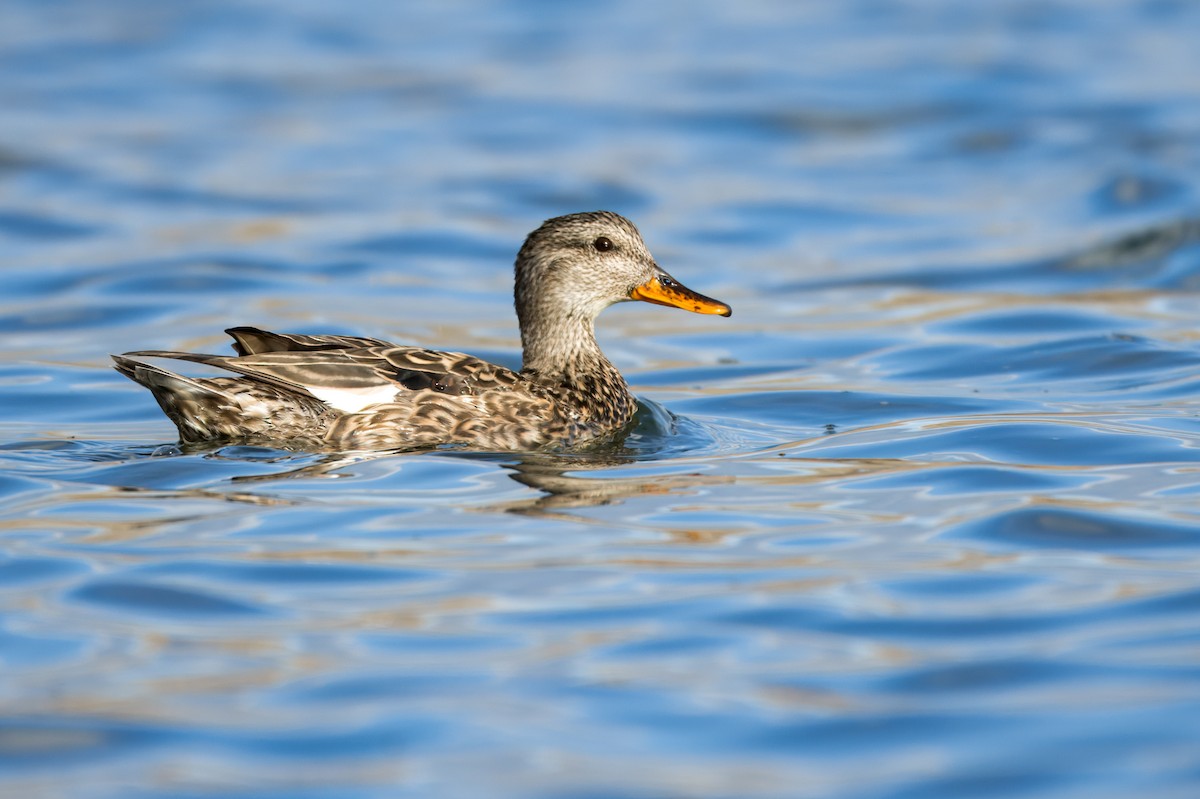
{"points": [[353, 400]]}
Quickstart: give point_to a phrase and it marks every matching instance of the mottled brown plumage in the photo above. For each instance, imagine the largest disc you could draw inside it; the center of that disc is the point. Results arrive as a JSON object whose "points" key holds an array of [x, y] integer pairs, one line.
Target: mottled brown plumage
{"points": [[351, 393]]}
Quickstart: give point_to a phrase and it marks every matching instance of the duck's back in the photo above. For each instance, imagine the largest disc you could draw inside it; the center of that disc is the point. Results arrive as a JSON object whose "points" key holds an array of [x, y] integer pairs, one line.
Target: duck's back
{"points": [[348, 392]]}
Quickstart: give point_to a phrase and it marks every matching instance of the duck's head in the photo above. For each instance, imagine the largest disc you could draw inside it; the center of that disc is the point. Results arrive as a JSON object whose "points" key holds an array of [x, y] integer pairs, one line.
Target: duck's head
{"points": [[575, 266]]}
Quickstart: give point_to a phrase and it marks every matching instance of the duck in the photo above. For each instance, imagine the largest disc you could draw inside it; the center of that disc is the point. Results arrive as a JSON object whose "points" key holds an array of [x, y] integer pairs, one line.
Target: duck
{"points": [[350, 393]]}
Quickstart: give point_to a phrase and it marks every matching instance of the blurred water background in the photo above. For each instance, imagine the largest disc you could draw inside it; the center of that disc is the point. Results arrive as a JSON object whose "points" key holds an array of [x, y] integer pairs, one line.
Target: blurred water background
{"points": [[918, 522]]}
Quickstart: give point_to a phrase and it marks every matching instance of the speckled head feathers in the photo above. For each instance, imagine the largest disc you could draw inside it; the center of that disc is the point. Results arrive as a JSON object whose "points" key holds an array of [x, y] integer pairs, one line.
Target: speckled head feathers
{"points": [[582, 263], [575, 228]]}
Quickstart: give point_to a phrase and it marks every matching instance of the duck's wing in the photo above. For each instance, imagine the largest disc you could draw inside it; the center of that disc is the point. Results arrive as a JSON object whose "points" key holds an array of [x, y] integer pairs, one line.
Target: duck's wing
{"points": [[253, 341], [351, 379]]}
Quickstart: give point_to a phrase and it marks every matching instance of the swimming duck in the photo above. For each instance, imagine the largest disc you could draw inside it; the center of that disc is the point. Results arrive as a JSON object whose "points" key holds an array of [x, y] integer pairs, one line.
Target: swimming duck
{"points": [[351, 393]]}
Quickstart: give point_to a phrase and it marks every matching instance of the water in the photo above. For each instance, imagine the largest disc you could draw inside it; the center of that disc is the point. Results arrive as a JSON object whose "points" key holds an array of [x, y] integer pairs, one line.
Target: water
{"points": [[919, 520]]}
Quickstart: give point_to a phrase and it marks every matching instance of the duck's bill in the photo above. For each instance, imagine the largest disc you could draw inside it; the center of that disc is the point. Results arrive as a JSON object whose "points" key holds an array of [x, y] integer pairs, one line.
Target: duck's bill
{"points": [[666, 290]]}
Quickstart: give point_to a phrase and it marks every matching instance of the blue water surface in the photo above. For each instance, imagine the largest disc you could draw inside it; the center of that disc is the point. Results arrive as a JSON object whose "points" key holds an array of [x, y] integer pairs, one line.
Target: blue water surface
{"points": [[921, 520]]}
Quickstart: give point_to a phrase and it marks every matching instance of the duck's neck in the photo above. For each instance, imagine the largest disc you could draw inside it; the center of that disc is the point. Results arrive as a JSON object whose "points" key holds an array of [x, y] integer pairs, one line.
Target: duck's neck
{"points": [[567, 361], [566, 354]]}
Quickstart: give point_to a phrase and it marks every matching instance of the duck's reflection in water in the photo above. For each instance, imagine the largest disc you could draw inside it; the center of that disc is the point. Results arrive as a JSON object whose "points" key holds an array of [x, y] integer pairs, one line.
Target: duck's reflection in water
{"points": [[561, 480], [562, 485]]}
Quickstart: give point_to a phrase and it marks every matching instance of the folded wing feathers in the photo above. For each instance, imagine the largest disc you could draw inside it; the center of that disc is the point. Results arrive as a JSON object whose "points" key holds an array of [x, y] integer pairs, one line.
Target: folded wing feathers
{"points": [[349, 373], [253, 341]]}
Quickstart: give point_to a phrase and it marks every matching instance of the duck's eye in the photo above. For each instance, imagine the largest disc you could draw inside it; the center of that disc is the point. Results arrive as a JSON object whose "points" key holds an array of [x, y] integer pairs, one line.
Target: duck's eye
{"points": [[603, 244]]}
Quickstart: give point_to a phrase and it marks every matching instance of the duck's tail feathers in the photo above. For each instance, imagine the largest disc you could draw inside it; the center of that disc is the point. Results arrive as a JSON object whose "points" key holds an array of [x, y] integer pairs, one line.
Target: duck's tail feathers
{"points": [[225, 408], [187, 401], [165, 382]]}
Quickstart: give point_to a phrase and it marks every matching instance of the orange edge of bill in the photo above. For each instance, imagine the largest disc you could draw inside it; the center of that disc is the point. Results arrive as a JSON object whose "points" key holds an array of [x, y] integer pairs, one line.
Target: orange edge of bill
{"points": [[679, 297]]}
